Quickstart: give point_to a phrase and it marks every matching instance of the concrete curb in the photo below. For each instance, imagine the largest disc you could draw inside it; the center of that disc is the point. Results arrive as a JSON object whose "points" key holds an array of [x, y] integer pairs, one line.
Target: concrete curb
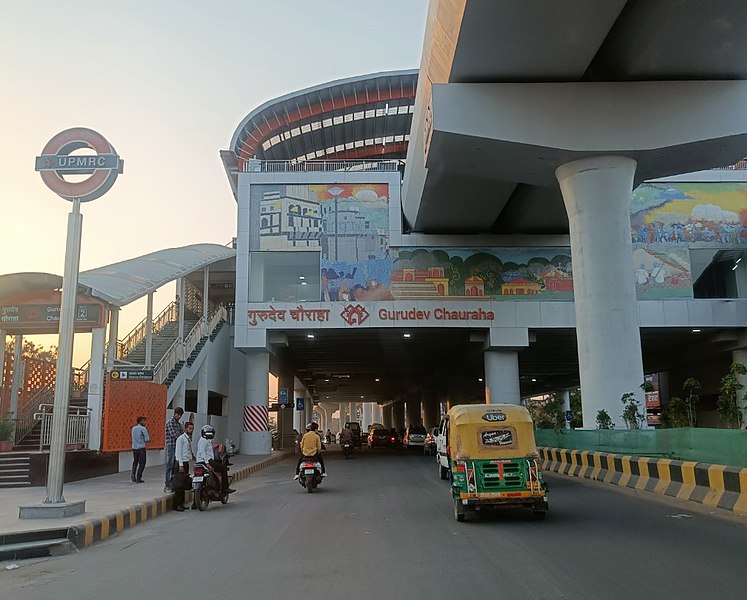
{"points": [[95, 530], [717, 486]]}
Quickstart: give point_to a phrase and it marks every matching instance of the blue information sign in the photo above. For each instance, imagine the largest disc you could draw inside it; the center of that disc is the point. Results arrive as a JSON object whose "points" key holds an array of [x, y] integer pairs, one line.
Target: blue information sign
{"points": [[283, 396], [299, 404]]}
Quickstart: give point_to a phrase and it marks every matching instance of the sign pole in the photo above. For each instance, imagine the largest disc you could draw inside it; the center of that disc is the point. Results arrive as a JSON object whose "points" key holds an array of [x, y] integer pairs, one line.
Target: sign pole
{"points": [[56, 471]]}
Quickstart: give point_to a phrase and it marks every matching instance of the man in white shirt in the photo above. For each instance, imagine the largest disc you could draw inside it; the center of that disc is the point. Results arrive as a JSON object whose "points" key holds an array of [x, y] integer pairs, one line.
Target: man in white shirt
{"points": [[182, 455], [206, 455]]}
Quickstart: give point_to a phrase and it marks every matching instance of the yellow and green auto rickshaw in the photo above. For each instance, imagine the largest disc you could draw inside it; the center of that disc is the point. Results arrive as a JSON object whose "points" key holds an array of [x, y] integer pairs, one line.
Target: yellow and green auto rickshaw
{"points": [[494, 460]]}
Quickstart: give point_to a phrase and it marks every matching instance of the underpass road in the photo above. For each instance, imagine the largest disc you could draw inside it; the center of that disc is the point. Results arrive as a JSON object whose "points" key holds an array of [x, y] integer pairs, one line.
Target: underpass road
{"points": [[381, 527]]}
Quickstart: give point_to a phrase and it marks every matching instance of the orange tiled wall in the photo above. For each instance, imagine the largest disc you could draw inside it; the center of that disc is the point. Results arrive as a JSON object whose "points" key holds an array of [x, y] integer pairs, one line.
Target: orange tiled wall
{"points": [[125, 402]]}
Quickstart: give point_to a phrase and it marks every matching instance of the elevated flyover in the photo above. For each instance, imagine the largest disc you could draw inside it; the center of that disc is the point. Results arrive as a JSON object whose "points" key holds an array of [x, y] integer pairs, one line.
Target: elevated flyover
{"points": [[540, 117]]}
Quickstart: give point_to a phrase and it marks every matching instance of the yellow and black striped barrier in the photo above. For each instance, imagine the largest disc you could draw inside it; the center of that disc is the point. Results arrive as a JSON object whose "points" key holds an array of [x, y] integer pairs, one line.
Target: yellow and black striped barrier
{"points": [[95, 530], [717, 486]]}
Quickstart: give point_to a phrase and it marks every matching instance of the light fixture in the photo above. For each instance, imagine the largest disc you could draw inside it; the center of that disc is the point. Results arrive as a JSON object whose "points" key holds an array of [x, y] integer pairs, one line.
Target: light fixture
{"points": [[361, 397], [326, 380], [310, 336], [327, 397], [304, 283], [301, 277], [479, 379], [696, 330], [534, 380], [377, 380], [407, 335]]}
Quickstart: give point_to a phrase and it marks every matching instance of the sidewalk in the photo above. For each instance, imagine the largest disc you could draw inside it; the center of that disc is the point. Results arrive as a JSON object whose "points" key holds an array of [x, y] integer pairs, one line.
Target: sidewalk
{"points": [[111, 498]]}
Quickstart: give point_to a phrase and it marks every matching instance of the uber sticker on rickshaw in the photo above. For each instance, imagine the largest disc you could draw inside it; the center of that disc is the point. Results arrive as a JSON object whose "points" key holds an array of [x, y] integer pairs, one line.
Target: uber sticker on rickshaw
{"points": [[497, 437], [494, 416]]}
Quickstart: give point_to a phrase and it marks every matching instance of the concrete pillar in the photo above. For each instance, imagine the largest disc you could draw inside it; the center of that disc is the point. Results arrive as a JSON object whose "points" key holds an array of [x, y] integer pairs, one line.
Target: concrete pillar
{"points": [[413, 411], [205, 292], [180, 297], [17, 381], [740, 356], [298, 393], [597, 193], [501, 376], [566, 395], [111, 354], [398, 415], [202, 388], [367, 415], [386, 416], [286, 380], [96, 387], [255, 436], [149, 332], [2, 362], [376, 414], [354, 408]]}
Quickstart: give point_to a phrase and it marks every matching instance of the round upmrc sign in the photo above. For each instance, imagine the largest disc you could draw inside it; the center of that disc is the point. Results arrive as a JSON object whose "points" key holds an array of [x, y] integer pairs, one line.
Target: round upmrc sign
{"points": [[56, 161]]}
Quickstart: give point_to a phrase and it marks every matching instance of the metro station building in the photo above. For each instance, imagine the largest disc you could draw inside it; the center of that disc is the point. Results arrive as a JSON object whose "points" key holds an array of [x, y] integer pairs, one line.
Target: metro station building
{"points": [[357, 308]]}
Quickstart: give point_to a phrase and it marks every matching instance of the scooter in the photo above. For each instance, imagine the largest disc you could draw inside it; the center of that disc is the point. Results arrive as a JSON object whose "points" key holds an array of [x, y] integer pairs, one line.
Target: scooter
{"points": [[207, 487], [310, 474], [347, 448]]}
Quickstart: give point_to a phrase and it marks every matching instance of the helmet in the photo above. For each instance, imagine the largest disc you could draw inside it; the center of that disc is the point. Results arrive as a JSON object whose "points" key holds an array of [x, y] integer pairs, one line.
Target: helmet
{"points": [[208, 432]]}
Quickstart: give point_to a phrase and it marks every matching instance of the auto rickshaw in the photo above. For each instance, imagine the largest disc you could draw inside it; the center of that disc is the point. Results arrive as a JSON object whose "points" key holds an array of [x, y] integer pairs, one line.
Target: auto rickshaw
{"points": [[493, 459]]}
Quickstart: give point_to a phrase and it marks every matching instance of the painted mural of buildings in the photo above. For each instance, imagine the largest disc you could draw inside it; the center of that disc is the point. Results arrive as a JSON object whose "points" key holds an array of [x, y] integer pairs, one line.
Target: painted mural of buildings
{"points": [[474, 286], [348, 235], [521, 287], [288, 222], [419, 283]]}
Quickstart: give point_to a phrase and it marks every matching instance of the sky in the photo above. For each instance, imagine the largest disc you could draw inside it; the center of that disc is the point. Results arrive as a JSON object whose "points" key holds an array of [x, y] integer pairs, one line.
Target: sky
{"points": [[166, 82]]}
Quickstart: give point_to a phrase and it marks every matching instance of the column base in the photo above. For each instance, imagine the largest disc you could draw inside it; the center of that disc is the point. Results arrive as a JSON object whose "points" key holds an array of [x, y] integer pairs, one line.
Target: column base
{"points": [[52, 510], [255, 443]]}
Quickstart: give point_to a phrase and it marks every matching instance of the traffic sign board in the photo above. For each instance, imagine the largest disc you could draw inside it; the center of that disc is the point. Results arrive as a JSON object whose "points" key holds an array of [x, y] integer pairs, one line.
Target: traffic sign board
{"points": [[299, 404], [283, 396]]}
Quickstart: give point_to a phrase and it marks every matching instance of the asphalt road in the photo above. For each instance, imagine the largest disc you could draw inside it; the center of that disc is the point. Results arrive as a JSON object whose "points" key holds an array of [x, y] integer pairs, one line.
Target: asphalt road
{"points": [[381, 528]]}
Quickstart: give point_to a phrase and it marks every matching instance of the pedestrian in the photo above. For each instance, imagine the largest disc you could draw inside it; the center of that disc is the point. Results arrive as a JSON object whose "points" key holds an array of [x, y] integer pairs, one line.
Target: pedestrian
{"points": [[140, 438], [182, 455], [173, 430]]}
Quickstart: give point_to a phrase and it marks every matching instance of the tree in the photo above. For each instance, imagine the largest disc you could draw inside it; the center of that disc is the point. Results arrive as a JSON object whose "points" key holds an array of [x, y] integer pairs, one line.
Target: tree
{"points": [[547, 412], [632, 414], [31, 350], [730, 396], [576, 409], [604, 421]]}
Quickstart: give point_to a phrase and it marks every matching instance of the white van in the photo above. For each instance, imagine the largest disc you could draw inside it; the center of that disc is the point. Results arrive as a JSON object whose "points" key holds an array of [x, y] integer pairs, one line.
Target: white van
{"points": [[441, 457]]}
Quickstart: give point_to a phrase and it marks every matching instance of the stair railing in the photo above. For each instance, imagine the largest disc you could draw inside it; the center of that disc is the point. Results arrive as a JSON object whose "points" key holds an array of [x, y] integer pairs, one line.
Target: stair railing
{"points": [[27, 418], [140, 331], [76, 430], [175, 353]]}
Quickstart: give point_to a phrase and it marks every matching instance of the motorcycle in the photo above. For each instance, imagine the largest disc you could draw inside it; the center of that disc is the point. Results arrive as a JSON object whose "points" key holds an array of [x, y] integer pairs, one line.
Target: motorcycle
{"points": [[206, 486], [310, 474], [347, 448]]}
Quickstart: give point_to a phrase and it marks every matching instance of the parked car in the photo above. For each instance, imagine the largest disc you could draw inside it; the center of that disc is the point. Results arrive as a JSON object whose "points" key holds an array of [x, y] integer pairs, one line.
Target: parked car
{"points": [[429, 447], [414, 437]]}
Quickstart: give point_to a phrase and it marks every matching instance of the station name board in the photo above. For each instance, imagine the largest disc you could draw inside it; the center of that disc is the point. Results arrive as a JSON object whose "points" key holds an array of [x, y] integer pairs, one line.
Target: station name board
{"points": [[44, 316], [349, 315]]}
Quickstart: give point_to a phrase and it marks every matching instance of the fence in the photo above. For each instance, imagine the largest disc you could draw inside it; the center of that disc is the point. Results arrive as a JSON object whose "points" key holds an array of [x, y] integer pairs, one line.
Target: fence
{"points": [[77, 426]]}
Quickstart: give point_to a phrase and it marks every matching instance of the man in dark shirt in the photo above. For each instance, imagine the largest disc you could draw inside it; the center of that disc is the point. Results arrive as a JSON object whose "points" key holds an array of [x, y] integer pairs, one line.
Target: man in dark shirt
{"points": [[173, 430]]}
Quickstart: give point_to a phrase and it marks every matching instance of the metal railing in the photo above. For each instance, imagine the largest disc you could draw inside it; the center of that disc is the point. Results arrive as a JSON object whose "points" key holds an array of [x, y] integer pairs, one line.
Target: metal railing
{"points": [[738, 166], [180, 351], [27, 419], [140, 331], [288, 166], [77, 426]]}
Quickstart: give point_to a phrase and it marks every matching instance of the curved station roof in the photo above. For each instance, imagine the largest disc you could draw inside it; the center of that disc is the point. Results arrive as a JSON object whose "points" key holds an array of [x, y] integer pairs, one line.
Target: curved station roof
{"points": [[361, 117], [123, 282]]}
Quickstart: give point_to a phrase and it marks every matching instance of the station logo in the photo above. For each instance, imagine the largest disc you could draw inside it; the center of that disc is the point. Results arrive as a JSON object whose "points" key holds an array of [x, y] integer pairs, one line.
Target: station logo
{"points": [[355, 315]]}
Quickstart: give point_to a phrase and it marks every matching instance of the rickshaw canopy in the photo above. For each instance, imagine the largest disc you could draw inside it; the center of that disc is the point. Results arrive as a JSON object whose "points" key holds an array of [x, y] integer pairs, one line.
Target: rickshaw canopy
{"points": [[490, 431]]}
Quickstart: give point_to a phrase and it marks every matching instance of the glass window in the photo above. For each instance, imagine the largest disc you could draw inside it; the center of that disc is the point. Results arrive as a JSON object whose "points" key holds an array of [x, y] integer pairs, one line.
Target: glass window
{"points": [[284, 277]]}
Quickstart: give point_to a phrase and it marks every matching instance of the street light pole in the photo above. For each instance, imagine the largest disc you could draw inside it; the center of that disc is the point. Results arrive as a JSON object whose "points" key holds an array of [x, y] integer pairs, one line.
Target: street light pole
{"points": [[56, 471]]}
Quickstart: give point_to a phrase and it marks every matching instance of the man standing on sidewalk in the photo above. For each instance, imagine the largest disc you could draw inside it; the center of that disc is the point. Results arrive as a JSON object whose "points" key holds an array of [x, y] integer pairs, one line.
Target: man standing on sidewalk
{"points": [[173, 430], [140, 438], [183, 454]]}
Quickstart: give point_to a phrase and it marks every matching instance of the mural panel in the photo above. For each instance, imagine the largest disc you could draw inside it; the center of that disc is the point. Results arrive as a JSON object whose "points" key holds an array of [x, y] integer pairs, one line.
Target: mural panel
{"points": [[662, 271], [699, 214], [474, 274]]}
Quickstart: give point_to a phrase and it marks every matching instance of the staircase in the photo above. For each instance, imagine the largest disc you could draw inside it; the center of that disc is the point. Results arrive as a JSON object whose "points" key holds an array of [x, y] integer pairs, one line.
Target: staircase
{"points": [[162, 341], [15, 470], [194, 354]]}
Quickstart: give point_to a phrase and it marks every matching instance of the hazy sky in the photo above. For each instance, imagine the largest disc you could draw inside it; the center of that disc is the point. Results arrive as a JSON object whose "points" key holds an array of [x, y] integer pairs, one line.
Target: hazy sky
{"points": [[167, 83]]}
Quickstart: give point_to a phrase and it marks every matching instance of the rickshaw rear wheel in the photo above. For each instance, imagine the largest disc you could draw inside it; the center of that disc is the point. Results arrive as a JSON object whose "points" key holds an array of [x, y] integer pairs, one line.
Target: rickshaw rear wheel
{"points": [[443, 472], [459, 511]]}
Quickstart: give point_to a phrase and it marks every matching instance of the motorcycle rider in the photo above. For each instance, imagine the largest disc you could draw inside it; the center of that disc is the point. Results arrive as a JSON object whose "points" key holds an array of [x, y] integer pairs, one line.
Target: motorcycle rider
{"points": [[205, 454], [346, 436], [311, 447]]}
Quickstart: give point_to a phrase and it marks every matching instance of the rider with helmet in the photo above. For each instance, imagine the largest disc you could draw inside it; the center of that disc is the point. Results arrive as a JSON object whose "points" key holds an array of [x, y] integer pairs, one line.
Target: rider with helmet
{"points": [[311, 447], [205, 454]]}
